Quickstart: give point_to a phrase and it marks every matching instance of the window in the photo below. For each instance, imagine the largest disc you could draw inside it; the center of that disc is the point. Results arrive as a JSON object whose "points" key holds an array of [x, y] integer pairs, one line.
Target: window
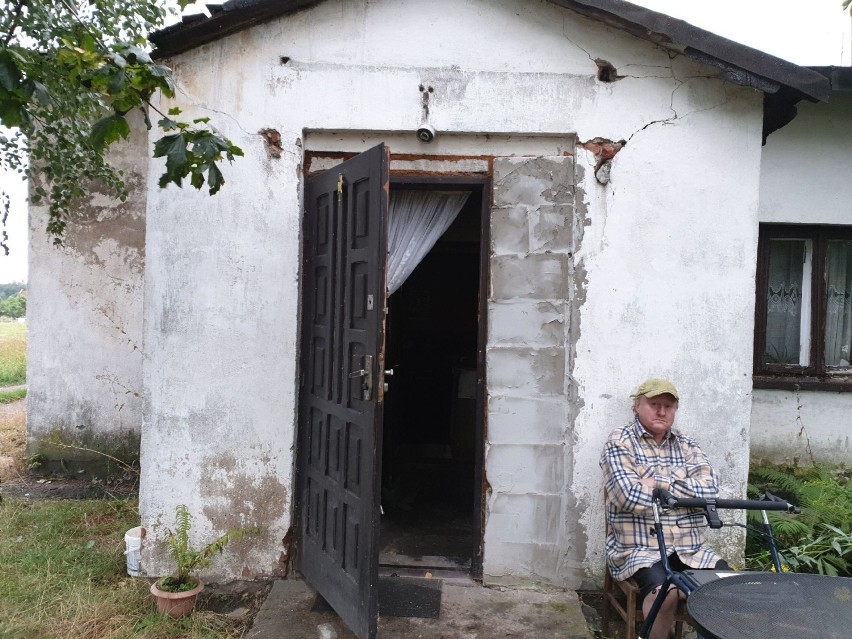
{"points": [[803, 313]]}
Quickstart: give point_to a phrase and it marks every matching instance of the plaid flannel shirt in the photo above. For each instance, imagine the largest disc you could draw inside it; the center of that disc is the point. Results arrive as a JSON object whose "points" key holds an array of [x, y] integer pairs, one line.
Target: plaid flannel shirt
{"points": [[678, 465]]}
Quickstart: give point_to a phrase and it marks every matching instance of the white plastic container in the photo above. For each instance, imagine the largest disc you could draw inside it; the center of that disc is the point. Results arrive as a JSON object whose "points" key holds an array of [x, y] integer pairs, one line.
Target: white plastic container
{"points": [[133, 551]]}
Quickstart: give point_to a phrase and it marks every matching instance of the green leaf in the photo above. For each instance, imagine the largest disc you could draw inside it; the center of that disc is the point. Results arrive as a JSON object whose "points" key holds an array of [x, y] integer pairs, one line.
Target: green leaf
{"points": [[175, 111], [173, 148], [107, 130], [208, 147], [167, 124], [197, 179], [215, 179], [10, 75]]}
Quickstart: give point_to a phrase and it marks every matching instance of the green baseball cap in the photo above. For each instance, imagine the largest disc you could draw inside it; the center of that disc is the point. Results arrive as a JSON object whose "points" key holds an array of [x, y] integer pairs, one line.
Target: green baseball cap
{"points": [[654, 387]]}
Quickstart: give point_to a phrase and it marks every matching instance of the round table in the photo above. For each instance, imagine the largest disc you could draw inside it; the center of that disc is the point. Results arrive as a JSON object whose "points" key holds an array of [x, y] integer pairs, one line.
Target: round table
{"points": [[766, 605]]}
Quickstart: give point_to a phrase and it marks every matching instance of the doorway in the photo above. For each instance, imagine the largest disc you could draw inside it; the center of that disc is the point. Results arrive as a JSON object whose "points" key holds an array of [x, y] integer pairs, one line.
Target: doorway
{"points": [[432, 425]]}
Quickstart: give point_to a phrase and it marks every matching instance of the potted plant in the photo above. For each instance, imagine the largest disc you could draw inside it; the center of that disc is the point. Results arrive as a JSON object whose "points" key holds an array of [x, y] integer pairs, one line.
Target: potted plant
{"points": [[175, 594]]}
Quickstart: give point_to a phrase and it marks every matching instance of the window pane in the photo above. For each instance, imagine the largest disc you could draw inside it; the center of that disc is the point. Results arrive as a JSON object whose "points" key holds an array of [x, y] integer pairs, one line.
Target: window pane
{"points": [[838, 307], [788, 307]]}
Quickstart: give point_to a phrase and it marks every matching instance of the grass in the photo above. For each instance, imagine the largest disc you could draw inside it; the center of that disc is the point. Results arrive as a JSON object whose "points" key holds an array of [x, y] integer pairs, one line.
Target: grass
{"points": [[63, 574], [7, 397], [13, 353]]}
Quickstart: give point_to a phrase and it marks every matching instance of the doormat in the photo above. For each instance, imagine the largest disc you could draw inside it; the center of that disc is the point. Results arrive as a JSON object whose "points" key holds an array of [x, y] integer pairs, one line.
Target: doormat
{"points": [[410, 597], [401, 597]]}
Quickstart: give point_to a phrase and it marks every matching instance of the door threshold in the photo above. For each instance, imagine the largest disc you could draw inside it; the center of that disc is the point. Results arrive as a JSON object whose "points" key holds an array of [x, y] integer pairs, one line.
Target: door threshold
{"points": [[424, 562], [457, 576]]}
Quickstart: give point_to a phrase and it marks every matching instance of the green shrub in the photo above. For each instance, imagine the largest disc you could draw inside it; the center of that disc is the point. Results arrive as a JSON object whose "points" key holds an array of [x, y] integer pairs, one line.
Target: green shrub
{"points": [[819, 540]]}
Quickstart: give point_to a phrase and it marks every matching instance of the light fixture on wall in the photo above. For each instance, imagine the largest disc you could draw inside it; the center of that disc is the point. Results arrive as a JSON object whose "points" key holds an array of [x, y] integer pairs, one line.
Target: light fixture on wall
{"points": [[425, 132]]}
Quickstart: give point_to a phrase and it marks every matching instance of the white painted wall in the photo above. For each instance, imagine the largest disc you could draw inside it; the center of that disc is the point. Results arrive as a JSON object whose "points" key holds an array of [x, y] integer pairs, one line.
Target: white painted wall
{"points": [[84, 353], [804, 179], [660, 289]]}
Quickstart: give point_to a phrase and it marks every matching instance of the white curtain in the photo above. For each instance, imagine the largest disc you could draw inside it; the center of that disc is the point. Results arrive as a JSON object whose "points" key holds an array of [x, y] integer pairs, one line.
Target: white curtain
{"points": [[416, 220], [784, 302], [838, 311]]}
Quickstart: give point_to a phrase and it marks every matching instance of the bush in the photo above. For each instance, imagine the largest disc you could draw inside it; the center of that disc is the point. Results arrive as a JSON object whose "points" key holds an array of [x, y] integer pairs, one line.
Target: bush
{"points": [[13, 307], [819, 540]]}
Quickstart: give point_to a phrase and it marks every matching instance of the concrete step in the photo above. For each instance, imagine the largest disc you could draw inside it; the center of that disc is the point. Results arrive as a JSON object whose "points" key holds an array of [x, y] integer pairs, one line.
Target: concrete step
{"points": [[468, 611]]}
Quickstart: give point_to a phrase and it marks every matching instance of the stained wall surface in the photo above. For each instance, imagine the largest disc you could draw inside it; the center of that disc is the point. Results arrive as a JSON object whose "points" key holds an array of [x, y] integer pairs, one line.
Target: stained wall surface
{"points": [[593, 284], [804, 180], [84, 352]]}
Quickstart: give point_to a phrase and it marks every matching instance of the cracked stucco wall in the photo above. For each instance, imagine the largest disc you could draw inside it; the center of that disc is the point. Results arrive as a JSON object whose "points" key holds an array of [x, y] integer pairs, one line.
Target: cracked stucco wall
{"points": [[656, 264], [804, 180], [84, 352]]}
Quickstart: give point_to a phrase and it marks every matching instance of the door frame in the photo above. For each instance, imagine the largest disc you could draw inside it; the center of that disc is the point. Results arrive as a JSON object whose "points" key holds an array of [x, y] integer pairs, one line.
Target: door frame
{"points": [[455, 182]]}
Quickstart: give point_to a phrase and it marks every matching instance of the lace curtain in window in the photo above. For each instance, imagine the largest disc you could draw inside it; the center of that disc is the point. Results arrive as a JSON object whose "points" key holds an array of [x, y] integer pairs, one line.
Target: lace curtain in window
{"points": [[784, 302], [838, 304], [416, 220]]}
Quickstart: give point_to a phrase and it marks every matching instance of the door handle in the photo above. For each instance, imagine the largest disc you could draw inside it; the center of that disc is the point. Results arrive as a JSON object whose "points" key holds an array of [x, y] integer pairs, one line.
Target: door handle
{"points": [[366, 375]]}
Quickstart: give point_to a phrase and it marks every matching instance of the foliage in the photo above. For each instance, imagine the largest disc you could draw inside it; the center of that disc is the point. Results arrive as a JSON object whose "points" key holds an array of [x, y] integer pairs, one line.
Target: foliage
{"points": [[11, 288], [7, 397], [70, 72], [13, 353], [819, 540], [13, 307], [64, 575], [187, 560]]}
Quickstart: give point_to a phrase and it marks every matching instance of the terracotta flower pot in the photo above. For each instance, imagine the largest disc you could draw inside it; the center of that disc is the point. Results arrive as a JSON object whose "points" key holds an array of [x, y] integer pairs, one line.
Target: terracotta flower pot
{"points": [[176, 604]]}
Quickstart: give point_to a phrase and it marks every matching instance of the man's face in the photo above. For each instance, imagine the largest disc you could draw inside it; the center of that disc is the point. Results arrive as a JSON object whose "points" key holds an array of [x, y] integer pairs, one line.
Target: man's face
{"points": [[656, 414]]}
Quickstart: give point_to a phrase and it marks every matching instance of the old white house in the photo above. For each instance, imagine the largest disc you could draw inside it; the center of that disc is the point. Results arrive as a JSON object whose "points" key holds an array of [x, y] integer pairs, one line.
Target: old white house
{"points": [[591, 179]]}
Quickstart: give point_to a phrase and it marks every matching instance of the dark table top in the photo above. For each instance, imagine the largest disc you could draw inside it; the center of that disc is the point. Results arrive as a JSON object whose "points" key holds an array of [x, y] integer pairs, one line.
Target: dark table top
{"points": [[766, 605]]}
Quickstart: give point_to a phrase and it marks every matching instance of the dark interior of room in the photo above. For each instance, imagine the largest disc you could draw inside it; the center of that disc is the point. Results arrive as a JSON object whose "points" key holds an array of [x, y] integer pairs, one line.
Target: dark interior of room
{"points": [[429, 442]]}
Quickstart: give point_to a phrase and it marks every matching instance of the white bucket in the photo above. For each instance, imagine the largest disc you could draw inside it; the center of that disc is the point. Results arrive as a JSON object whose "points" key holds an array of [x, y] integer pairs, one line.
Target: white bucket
{"points": [[133, 551]]}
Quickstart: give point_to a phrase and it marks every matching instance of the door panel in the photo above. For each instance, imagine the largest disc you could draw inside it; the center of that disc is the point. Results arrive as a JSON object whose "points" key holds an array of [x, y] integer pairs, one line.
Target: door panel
{"points": [[340, 420]]}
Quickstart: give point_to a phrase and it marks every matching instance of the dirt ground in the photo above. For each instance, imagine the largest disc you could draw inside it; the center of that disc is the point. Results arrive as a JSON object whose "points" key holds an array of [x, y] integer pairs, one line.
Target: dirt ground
{"points": [[16, 480], [13, 438]]}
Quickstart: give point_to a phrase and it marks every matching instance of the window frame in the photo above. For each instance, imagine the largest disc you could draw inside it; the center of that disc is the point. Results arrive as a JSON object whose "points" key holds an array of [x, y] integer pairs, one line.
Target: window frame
{"points": [[814, 376]]}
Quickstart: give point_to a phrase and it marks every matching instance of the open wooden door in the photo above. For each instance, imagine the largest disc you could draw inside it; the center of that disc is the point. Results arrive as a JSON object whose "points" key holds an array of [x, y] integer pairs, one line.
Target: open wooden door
{"points": [[341, 391]]}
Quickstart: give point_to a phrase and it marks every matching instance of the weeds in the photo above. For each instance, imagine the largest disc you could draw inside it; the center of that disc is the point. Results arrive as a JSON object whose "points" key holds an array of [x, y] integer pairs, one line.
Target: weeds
{"points": [[64, 575], [13, 353], [820, 539], [7, 397]]}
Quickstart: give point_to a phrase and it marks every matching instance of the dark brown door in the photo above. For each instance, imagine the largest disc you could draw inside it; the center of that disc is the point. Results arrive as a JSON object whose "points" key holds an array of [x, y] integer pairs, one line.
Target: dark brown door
{"points": [[340, 420]]}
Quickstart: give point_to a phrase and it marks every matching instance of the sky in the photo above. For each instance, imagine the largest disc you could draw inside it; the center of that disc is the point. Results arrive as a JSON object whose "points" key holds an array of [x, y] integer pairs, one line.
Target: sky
{"points": [[806, 32]]}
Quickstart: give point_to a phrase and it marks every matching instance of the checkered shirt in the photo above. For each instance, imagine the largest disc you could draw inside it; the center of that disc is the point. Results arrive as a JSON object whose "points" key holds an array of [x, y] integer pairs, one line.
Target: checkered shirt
{"points": [[678, 465]]}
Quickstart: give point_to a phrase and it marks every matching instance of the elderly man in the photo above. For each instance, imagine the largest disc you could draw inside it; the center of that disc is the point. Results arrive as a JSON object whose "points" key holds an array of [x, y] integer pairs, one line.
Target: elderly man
{"points": [[645, 454]]}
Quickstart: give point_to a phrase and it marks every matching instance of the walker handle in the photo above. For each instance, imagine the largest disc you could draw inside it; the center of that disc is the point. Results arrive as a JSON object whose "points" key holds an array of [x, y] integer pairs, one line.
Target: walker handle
{"points": [[769, 502]]}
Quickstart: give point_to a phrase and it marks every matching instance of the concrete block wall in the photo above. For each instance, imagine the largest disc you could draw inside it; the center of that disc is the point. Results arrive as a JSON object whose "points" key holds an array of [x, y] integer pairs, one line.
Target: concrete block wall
{"points": [[529, 296]]}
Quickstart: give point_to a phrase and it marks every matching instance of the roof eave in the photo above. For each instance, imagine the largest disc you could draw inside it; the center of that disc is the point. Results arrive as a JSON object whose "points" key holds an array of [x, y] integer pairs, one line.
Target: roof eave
{"points": [[740, 64]]}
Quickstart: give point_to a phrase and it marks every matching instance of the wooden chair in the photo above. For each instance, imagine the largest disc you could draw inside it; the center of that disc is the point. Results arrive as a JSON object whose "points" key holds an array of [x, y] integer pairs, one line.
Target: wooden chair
{"points": [[623, 598]]}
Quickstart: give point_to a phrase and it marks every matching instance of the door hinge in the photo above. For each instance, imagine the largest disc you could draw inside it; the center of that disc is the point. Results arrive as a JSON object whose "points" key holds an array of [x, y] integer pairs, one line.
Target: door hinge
{"points": [[340, 189]]}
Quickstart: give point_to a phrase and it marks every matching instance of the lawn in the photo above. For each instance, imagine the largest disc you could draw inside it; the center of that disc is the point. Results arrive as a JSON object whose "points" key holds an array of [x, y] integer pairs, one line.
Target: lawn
{"points": [[63, 574], [13, 353]]}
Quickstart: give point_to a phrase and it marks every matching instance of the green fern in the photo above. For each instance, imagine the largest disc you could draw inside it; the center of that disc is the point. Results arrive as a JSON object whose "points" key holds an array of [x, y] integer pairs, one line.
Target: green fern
{"points": [[187, 560], [819, 540]]}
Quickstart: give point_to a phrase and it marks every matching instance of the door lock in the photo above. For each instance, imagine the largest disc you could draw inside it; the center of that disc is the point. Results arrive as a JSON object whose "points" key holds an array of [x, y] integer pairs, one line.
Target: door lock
{"points": [[366, 375]]}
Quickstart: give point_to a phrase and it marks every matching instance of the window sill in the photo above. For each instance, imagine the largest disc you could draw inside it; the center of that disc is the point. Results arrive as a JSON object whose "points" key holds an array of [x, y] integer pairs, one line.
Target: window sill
{"points": [[842, 384]]}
